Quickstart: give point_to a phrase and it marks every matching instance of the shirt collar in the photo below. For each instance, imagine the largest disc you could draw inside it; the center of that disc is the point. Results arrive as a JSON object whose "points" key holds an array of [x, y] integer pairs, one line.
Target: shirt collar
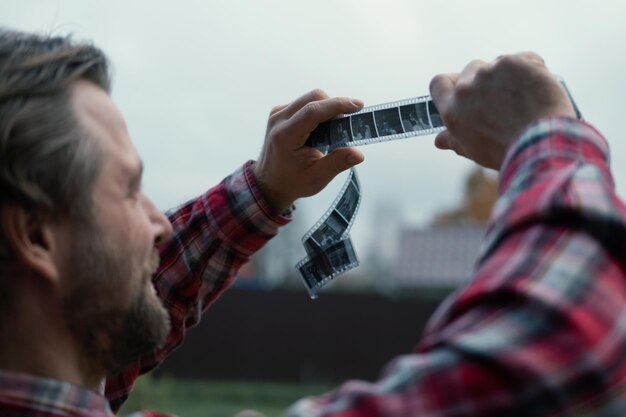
{"points": [[63, 398]]}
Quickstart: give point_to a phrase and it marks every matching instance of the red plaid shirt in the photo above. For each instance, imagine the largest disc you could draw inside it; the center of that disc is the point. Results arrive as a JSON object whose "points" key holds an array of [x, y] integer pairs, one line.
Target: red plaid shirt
{"points": [[541, 328], [213, 236], [540, 331]]}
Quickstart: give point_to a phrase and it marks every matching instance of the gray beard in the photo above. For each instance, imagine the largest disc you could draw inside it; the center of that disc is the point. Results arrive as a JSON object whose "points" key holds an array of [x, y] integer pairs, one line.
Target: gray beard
{"points": [[109, 337], [113, 343]]}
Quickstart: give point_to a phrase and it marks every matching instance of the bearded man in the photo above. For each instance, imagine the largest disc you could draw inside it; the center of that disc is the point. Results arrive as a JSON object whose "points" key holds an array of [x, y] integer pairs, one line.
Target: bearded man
{"points": [[96, 285]]}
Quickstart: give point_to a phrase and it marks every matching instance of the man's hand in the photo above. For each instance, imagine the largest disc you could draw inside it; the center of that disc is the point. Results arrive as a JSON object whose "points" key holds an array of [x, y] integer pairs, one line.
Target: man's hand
{"points": [[288, 170], [487, 104]]}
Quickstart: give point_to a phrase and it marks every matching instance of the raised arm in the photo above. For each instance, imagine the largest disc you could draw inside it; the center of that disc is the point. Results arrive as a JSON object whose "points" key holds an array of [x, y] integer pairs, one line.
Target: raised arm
{"points": [[539, 330], [215, 234]]}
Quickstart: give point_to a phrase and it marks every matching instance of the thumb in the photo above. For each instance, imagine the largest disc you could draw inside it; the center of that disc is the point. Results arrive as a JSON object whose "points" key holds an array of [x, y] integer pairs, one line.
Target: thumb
{"points": [[336, 162], [444, 140]]}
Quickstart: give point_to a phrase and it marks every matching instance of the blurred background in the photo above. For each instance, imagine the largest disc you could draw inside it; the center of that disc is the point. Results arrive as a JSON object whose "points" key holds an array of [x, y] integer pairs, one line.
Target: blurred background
{"points": [[196, 81]]}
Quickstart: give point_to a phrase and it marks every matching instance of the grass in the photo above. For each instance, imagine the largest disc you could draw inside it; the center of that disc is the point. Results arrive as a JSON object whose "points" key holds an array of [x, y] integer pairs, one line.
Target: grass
{"points": [[186, 398]]}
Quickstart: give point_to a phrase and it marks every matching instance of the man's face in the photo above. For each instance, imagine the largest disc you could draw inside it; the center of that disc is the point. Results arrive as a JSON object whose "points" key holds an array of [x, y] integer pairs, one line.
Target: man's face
{"points": [[111, 305]]}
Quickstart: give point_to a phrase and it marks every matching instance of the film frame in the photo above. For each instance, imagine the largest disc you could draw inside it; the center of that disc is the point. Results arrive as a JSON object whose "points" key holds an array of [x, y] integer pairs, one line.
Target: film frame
{"points": [[328, 245], [403, 119]]}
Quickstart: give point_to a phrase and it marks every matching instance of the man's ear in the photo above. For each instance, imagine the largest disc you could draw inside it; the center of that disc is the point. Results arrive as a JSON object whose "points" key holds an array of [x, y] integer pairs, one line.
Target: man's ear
{"points": [[31, 240]]}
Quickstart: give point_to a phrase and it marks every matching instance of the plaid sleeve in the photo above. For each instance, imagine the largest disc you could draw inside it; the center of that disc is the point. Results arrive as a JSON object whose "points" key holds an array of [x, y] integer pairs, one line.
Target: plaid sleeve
{"points": [[214, 235], [541, 328]]}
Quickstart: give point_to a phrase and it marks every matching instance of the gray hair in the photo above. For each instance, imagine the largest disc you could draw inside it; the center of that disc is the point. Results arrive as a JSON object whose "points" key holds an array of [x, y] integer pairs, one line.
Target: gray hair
{"points": [[46, 164]]}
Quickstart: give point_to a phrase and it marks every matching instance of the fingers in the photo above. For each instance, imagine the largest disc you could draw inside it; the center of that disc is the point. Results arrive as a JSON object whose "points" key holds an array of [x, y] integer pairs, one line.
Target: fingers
{"points": [[313, 95], [442, 90], [487, 103], [277, 109], [313, 113], [470, 71], [286, 170], [530, 56], [337, 161], [445, 141], [522, 60]]}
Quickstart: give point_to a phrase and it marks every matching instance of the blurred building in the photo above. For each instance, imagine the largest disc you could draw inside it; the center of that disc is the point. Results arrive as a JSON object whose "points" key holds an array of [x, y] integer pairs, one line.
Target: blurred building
{"points": [[479, 196], [440, 256], [444, 254]]}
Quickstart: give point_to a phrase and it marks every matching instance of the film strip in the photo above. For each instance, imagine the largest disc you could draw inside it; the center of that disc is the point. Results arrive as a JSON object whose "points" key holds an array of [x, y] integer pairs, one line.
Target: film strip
{"points": [[329, 249], [381, 123], [328, 245]]}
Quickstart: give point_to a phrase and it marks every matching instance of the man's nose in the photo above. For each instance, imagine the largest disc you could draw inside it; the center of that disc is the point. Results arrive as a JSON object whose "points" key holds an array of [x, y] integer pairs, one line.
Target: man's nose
{"points": [[161, 224]]}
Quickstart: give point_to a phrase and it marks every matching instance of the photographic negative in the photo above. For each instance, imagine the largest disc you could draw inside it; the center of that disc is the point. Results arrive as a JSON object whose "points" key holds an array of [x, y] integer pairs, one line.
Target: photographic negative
{"points": [[341, 254], [407, 118], [356, 183], [320, 136], [388, 122], [331, 230], [311, 274], [340, 131], [348, 202], [363, 126], [435, 117], [320, 268], [311, 246], [414, 117], [328, 245], [336, 222]]}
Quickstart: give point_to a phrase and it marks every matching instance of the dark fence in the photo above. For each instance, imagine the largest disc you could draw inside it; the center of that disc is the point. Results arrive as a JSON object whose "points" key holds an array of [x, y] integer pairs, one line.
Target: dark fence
{"points": [[285, 336]]}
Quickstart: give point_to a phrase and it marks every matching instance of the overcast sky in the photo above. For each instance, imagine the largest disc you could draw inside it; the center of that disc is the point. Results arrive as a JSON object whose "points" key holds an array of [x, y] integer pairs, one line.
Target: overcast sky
{"points": [[197, 79]]}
